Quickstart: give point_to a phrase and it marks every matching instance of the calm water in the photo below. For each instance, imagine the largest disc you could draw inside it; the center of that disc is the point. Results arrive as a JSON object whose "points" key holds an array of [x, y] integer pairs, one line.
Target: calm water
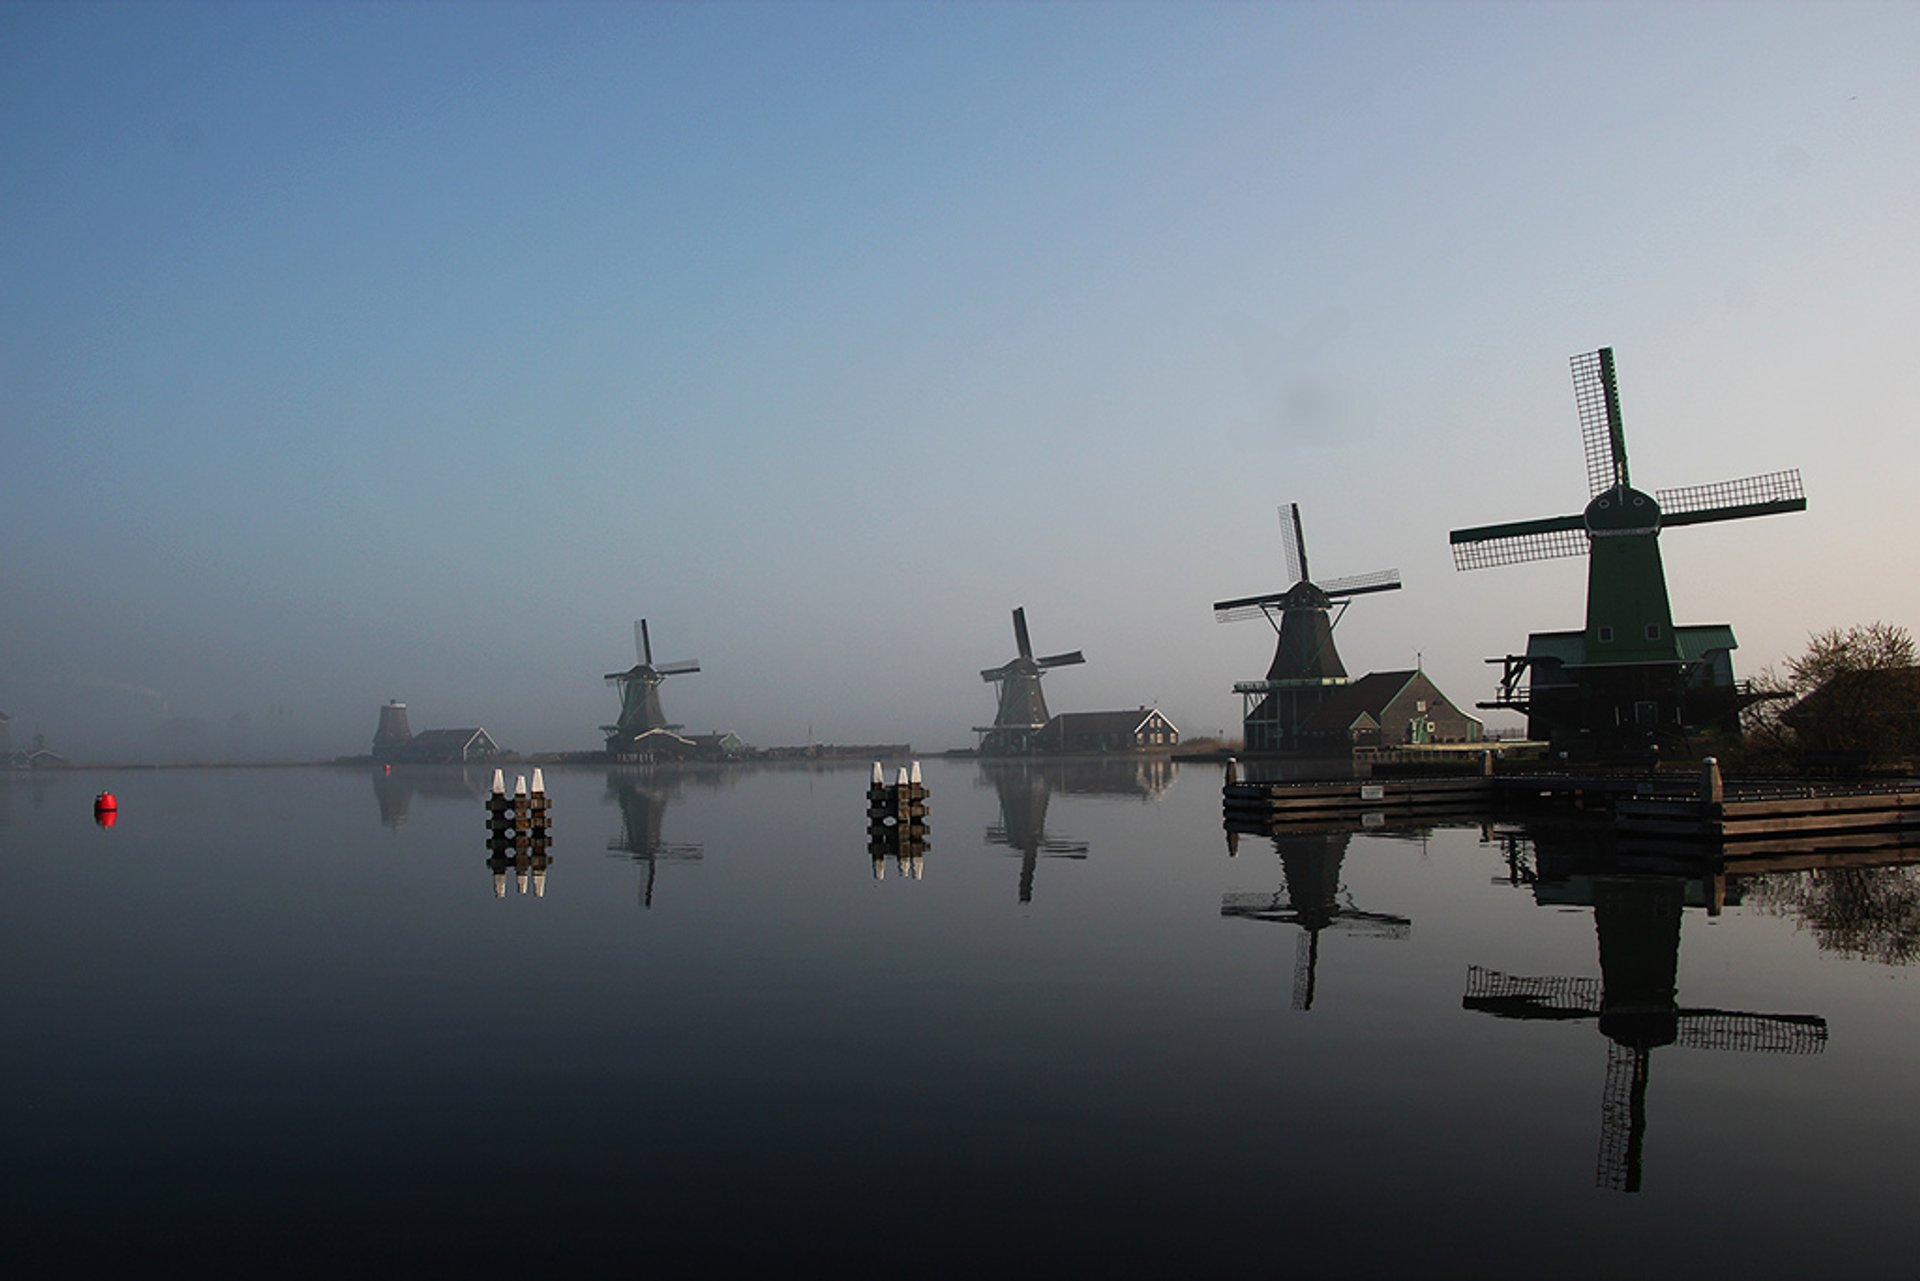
{"points": [[283, 1018]]}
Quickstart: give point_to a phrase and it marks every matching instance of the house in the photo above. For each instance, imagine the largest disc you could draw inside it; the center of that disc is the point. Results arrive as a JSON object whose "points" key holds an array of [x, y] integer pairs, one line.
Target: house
{"points": [[1387, 709], [1867, 713], [1139, 730], [447, 747]]}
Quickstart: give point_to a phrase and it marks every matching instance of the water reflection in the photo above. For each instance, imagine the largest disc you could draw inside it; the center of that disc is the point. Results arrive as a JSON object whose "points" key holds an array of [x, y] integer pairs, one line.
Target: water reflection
{"points": [[1864, 907], [642, 796], [1026, 785], [1635, 1000], [527, 857], [1314, 898], [394, 790]]}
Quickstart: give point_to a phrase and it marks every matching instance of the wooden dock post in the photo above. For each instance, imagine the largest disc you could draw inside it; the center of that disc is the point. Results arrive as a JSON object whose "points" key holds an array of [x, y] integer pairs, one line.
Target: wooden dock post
{"points": [[1712, 786]]}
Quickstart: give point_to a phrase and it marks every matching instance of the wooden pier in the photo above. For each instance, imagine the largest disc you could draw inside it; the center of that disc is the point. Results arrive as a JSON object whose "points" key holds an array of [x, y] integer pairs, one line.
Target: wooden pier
{"points": [[1703, 812]]}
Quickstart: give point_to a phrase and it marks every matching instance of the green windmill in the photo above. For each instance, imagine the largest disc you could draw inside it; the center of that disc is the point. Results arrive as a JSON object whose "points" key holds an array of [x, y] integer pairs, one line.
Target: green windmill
{"points": [[1630, 678]]}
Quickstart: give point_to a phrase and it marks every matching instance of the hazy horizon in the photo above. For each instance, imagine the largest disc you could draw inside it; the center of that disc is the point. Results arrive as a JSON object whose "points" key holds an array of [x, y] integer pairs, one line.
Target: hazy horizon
{"points": [[411, 352]]}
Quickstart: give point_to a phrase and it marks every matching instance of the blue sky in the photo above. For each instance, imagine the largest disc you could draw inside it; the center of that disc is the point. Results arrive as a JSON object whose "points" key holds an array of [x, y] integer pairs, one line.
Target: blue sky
{"points": [[359, 351]]}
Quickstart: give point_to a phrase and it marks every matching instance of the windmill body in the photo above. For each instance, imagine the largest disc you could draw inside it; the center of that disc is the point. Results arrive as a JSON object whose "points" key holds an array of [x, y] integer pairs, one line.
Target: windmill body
{"points": [[1629, 676], [640, 712], [1022, 708], [1306, 668]]}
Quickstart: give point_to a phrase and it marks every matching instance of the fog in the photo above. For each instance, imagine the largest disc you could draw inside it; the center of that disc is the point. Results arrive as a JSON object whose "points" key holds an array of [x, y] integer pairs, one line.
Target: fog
{"points": [[406, 351]]}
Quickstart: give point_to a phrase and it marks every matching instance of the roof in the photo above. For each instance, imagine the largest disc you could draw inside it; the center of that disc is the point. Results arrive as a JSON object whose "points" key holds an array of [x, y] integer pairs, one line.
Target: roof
{"points": [[1570, 648], [1881, 692], [435, 744], [1367, 697], [1126, 722], [445, 737]]}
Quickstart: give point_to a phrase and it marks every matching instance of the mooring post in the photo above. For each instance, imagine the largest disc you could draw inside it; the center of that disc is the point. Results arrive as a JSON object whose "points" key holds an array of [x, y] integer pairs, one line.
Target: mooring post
{"points": [[1486, 764], [1712, 787], [1233, 770]]}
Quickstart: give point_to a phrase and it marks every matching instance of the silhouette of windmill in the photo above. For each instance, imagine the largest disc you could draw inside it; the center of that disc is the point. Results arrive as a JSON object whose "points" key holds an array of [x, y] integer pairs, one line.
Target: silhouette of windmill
{"points": [[1022, 710], [1635, 1003], [1315, 900], [1306, 667], [640, 693], [1024, 790], [1630, 673], [643, 805]]}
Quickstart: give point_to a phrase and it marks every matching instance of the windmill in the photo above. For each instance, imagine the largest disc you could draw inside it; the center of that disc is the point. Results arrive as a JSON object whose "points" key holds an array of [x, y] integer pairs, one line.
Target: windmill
{"points": [[1635, 1002], [1313, 900], [1630, 674], [1023, 708], [1306, 667], [640, 712]]}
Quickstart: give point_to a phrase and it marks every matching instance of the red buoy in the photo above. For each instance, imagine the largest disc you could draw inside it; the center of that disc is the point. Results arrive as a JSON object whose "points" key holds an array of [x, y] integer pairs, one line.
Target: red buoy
{"points": [[105, 801], [105, 809]]}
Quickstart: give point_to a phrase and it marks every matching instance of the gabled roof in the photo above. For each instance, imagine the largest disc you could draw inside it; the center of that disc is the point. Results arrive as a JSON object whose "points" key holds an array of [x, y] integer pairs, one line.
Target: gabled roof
{"points": [[1367, 699], [441, 744], [1128, 722]]}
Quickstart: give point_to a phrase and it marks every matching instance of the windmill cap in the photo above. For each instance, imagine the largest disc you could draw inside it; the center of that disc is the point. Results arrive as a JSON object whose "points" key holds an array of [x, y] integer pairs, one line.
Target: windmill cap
{"points": [[1622, 510]]}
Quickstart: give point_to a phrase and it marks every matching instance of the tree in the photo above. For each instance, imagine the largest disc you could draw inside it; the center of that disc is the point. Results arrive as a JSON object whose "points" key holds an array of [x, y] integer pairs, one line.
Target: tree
{"points": [[1859, 698]]}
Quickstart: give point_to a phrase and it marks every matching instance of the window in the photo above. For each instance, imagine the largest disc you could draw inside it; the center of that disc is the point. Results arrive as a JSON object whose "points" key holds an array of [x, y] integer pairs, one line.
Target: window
{"points": [[1653, 631], [1606, 635]]}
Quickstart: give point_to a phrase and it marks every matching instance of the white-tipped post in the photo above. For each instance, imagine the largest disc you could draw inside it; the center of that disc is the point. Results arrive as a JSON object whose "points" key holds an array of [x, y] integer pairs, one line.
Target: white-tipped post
{"points": [[499, 783], [915, 779], [539, 782], [879, 775], [520, 788], [903, 776]]}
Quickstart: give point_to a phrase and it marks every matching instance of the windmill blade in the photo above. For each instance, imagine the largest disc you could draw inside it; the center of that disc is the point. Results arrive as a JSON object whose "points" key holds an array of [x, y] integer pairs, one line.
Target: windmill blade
{"points": [[991, 674], [1375, 925], [1063, 660], [1597, 396], [1752, 1033], [1521, 540], [1258, 907], [1385, 580], [1247, 609], [642, 646], [1518, 996], [675, 669], [1293, 540], [1232, 611], [1770, 494], [1020, 639]]}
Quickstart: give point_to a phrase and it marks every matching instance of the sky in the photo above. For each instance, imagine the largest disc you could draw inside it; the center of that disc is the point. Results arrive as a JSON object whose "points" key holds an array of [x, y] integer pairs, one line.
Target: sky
{"points": [[366, 351]]}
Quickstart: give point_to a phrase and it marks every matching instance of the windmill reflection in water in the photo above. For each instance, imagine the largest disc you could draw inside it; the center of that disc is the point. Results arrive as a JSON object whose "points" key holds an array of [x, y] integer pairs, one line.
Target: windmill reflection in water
{"points": [[1635, 1003], [642, 797], [1315, 899]]}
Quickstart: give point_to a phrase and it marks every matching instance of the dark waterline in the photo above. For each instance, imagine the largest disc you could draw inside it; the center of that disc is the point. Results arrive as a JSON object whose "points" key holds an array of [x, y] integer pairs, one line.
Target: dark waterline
{"points": [[282, 1019]]}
